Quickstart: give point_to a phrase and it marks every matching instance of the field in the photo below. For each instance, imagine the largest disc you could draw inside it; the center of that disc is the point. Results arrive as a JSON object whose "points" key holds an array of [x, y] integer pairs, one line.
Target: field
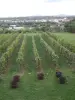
{"points": [[27, 54]]}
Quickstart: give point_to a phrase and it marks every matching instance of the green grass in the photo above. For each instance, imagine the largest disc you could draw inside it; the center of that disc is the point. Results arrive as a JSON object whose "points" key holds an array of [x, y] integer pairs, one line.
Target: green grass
{"points": [[30, 88], [45, 58], [67, 40], [13, 63], [68, 37], [29, 56]]}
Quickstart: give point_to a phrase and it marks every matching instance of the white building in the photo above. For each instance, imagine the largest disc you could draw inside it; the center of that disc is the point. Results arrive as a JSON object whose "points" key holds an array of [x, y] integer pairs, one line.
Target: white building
{"points": [[15, 27]]}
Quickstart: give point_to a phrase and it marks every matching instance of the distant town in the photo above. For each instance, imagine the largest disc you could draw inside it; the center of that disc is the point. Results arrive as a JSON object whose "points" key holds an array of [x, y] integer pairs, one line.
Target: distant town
{"points": [[30, 22]]}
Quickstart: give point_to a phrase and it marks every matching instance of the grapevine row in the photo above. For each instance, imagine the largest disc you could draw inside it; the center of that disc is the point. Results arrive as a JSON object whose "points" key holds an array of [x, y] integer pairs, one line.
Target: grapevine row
{"points": [[7, 43], [4, 37], [37, 57], [8, 54], [70, 56], [51, 52], [20, 58], [67, 44]]}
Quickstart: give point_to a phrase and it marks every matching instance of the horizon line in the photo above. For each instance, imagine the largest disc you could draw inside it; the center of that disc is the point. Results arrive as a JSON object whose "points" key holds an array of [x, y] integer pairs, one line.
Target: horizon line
{"points": [[36, 16]]}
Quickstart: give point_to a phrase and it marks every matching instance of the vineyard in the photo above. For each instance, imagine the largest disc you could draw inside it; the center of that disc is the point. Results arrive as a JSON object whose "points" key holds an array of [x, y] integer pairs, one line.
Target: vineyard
{"points": [[32, 53]]}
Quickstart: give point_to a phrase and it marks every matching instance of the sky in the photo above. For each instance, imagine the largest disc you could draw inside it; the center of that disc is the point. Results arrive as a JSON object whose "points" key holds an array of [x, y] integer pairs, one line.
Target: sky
{"points": [[17, 8]]}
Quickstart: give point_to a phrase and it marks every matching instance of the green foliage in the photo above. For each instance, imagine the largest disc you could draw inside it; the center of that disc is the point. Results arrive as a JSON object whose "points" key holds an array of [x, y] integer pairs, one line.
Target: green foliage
{"points": [[70, 26], [36, 55], [20, 58], [8, 54], [10, 39], [66, 39], [51, 52], [63, 51], [29, 87]]}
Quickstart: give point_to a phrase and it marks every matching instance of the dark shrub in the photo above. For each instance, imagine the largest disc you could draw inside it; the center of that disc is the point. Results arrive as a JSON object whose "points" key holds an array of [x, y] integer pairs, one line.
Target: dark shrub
{"points": [[40, 75], [14, 84], [62, 80], [16, 78], [58, 74]]}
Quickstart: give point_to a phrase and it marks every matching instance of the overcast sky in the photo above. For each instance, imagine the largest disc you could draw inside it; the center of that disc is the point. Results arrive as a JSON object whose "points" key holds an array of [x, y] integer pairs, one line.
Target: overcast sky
{"points": [[11, 8]]}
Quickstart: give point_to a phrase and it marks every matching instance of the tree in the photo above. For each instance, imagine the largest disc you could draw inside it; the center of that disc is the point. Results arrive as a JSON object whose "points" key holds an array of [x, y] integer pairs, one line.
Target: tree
{"points": [[70, 26]]}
